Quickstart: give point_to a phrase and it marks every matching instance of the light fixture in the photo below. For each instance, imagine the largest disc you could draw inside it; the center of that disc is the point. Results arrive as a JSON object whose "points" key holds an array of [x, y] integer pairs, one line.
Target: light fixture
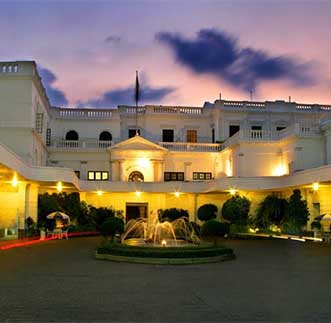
{"points": [[99, 193], [315, 186], [232, 191], [14, 181], [138, 194], [59, 186], [177, 194]]}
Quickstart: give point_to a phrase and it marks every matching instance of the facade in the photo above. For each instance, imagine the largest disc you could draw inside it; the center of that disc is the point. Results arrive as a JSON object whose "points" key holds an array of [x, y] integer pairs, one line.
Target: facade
{"points": [[183, 156]]}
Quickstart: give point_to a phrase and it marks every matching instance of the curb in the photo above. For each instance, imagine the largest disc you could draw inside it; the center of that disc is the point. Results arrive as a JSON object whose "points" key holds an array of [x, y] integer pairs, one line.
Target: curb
{"points": [[164, 261]]}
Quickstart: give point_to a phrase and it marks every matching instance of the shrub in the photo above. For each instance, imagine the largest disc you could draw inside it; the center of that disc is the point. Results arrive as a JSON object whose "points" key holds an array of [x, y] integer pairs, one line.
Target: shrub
{"points": [[100, 215], [297, 215], [111, 227], [236, 210], [172, 214], [271, 211], [316, 225], [213, 228], [207, 212]]}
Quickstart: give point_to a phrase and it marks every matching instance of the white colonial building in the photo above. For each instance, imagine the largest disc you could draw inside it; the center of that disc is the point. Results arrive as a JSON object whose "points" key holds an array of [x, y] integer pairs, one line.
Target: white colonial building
{"points": [[183, 156]]}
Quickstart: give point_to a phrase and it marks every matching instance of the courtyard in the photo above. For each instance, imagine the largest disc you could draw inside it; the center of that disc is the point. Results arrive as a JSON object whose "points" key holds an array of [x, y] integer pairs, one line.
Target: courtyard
{"points": [[269, 281]]}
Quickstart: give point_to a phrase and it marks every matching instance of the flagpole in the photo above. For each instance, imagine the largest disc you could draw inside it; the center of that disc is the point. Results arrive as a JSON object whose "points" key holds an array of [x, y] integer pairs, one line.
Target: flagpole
{"points": [[137, 98]]}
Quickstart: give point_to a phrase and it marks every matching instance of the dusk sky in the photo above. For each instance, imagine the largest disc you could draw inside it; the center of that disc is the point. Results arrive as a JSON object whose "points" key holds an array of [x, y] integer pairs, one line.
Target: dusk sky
{"points": [[186, 52]]}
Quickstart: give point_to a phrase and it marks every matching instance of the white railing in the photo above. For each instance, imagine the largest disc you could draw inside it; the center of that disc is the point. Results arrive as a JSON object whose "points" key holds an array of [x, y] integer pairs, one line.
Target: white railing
{"points": [[83, 113], [175, 110], [298, 129], [188, 146], [80, 144]]}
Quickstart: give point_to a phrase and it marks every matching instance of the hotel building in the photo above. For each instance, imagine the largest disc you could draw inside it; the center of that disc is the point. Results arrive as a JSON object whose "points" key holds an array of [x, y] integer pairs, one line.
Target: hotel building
{"points": [[183, 156]]}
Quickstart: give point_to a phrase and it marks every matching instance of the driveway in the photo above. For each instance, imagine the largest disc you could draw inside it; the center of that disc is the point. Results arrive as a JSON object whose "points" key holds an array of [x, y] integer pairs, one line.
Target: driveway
{"points": [[269, 281]]}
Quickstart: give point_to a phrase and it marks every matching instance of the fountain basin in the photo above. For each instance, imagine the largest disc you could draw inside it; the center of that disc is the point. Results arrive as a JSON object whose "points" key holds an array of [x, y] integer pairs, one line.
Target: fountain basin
{"points": [[205, 253]]}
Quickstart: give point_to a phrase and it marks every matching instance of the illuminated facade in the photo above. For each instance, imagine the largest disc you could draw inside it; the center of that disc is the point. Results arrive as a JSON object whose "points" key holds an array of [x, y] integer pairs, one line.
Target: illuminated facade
{"points": [[183, 157]]}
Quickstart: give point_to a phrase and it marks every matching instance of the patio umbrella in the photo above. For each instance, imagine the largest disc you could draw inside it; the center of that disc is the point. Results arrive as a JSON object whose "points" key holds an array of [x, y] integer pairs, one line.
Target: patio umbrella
{"points": [[58, 214]]}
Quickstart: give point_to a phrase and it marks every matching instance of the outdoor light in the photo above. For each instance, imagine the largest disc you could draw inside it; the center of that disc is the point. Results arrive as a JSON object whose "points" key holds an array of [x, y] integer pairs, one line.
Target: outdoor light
{"points": [[315, 186], [177, 194], [232, 191], [163, 243], [143, 162], [59, 186], [138, 193], [14, 181], [99, 193]]}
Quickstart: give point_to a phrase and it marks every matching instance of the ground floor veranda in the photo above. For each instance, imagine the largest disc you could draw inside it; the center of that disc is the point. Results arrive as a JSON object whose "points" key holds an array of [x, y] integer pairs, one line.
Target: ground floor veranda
{"points": [[21, 201]]}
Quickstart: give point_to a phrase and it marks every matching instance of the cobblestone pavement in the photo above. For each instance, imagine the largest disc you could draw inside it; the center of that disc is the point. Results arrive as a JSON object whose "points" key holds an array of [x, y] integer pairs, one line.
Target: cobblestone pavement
{"points": [[269, 281]]}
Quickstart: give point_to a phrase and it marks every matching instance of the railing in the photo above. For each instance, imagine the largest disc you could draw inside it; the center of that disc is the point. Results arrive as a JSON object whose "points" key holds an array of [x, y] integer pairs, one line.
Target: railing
{"points": [[301, 130], [82, 144], [188, 146], [83, 113], [177, 110]]}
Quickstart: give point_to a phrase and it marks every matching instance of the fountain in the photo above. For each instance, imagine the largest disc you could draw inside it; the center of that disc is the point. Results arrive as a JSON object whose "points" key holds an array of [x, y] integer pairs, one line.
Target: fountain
{"points": [[152, 232]]}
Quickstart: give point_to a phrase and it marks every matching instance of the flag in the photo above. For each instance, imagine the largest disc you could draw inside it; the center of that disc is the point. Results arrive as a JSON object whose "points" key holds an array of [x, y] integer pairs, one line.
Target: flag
{"points": [[136, 96]]}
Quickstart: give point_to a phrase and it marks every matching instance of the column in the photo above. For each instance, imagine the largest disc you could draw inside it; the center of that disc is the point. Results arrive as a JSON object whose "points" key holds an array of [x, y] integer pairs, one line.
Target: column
{"points": [[187, 171]]}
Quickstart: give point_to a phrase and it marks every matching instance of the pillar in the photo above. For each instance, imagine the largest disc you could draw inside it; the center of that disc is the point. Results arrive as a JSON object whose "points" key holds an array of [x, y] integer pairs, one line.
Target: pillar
{"points": [[187, 171]]}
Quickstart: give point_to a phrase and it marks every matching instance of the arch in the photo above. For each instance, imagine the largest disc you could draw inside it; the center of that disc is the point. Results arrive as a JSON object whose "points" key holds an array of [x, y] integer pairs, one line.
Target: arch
{"points": [[105, 136], [72, 135], [136, 176]]}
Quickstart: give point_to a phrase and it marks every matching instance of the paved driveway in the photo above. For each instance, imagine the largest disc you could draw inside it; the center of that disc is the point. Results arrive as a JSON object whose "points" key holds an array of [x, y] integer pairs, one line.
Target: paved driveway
{"points": [[269, 281]]}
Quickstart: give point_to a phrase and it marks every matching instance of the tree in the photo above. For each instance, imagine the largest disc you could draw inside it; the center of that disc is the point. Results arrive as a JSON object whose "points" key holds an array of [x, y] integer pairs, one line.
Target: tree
{"points": [[207, 212], [236, 210], [297, 215], [272, 210]]}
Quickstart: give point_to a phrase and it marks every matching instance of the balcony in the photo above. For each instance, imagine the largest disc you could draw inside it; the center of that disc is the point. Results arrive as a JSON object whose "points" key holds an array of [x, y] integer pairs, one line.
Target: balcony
{"points": [[80, 144], [301, 130], [188, 146]]}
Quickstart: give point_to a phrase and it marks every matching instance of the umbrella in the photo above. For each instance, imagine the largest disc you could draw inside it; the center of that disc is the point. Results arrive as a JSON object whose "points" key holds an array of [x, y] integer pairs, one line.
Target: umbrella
{"points": [[58, 214]]}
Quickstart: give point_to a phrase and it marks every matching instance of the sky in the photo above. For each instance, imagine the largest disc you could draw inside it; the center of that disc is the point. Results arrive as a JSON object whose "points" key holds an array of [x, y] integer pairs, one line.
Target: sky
{"points": [[186, 52]]}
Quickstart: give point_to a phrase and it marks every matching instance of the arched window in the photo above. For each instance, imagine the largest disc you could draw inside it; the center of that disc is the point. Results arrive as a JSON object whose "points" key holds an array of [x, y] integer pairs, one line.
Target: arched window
{"points": [[136, 177], [72, 135], [105, 136]]}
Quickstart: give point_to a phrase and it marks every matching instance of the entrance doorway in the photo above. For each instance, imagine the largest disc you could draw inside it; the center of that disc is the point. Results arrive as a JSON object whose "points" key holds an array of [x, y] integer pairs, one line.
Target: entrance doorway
{"points": [[135, 211]]}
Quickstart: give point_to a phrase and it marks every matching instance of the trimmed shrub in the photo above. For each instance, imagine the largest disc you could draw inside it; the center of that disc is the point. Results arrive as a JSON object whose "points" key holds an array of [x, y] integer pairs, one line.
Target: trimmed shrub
{"points": [[111, 227], [213, 228], [172, 214], [272, 210], [207, 212], [316, 225], [298, 214], [236, 210]]}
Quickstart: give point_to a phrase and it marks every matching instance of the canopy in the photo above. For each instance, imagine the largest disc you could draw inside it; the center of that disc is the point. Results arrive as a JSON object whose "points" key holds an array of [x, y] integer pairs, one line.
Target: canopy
{"points": [[58, 214], [324, 217]]}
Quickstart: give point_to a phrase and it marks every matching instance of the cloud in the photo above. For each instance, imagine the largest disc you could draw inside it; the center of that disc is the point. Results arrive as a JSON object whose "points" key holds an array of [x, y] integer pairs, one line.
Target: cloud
{"points": [[125, 96], [113, 39], [218, 53], [56, 96]]}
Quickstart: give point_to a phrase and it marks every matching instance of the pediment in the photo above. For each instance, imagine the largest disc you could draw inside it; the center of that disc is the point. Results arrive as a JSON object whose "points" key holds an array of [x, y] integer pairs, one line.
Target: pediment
{"points": [[137, 143]]}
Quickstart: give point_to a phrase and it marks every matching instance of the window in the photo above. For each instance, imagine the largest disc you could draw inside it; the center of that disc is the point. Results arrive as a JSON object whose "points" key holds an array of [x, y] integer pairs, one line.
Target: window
{"points": [[48, 137], [39, 122], [168, 135], [72, 135], [136, 177], [132, 132], [256, 127], [280, 128], [173, 176], [213, 135], [191, 136], [198, 176], [4, 68], [233, 129], [97, 176], [105, 136]]}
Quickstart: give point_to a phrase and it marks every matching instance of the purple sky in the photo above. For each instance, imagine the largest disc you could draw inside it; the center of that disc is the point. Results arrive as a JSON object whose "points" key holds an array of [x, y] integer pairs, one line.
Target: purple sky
{"points": [[187, 52]]}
